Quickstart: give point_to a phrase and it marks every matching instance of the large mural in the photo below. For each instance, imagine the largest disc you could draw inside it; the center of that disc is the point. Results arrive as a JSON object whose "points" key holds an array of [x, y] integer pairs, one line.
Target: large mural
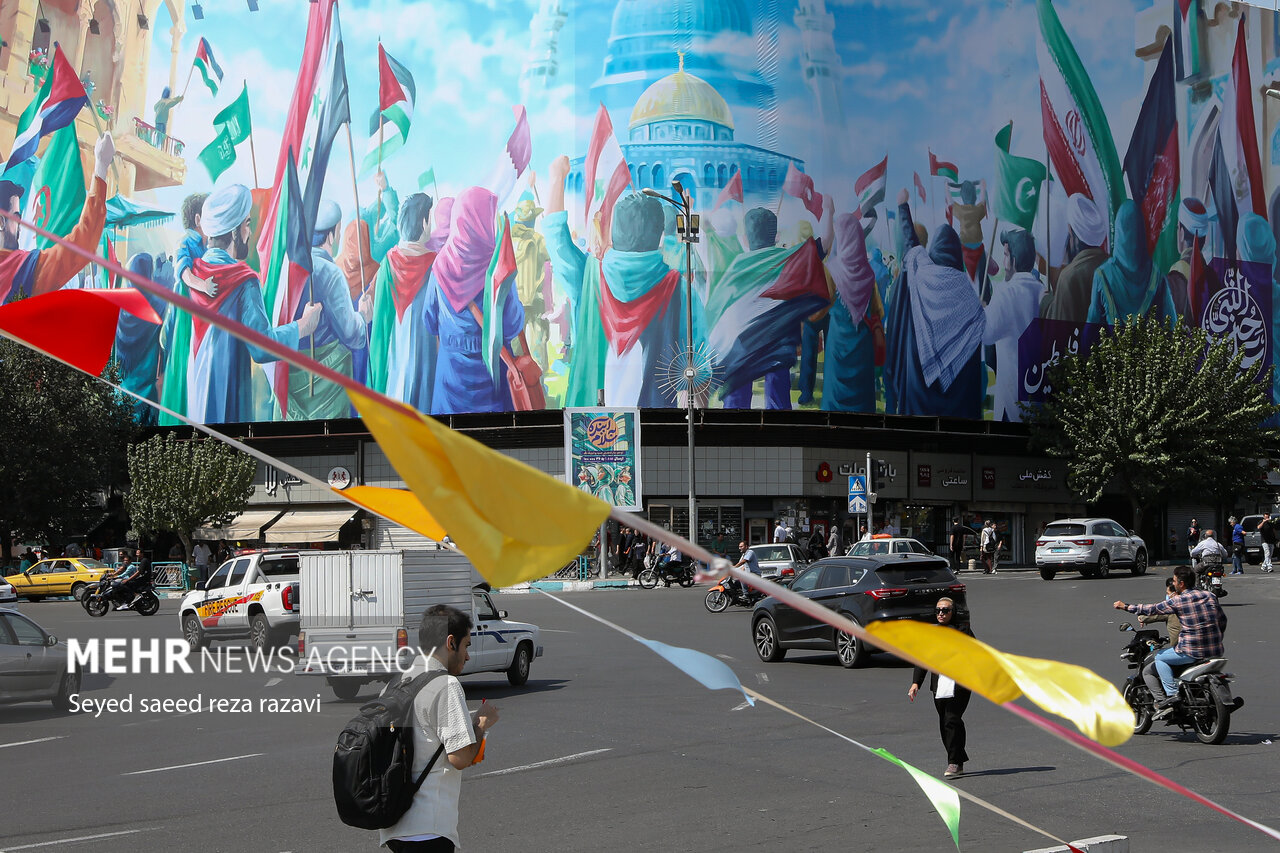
{"points": [[904, 207]]}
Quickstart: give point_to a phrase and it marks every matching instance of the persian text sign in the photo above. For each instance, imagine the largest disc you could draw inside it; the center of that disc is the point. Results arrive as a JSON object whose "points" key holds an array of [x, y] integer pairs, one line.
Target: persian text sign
{"points": [[602, 454]]}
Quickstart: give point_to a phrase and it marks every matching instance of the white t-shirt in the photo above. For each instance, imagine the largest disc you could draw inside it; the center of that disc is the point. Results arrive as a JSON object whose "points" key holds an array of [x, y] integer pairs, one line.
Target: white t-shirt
{"points": [[201, 554], [440, 712]]}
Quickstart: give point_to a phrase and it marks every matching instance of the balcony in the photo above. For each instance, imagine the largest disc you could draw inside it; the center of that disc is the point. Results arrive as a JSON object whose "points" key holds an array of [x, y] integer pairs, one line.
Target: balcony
{"points": [[156, 157]]}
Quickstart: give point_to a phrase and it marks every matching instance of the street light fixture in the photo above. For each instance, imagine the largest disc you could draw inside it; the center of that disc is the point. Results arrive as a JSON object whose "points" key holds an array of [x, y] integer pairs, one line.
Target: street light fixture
{"points": [[687, 224]]}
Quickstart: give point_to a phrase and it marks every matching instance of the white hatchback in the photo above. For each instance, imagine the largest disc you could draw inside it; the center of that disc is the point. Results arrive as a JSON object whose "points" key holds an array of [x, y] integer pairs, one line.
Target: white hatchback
{"points": [[1090, 546]]}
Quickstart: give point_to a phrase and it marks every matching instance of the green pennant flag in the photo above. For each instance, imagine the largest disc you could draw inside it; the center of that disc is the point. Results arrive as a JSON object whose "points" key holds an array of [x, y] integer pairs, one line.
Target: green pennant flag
{"points": [[234, 118], [427, 177], [219, 154], [57, 189], [1018, 180], [943, 797]]}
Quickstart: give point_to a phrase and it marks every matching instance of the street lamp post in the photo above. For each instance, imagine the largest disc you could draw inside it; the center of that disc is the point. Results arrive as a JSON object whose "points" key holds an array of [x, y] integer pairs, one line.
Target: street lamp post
{"points": [[687, 224]]}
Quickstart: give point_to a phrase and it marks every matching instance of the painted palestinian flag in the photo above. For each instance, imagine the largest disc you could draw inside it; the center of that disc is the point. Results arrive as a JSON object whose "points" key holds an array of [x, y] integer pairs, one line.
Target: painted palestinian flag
{"points": [[1076, 132], [870, 186], [1187, 23], [943, 169], [208, 67], [1151, 163], [54, 107], [291, 256], [499, 284], [389, 125]]}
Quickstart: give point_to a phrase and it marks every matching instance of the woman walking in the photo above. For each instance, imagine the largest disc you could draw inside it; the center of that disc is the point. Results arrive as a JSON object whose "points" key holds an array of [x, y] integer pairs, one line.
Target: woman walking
{"points": [[948, 697]]}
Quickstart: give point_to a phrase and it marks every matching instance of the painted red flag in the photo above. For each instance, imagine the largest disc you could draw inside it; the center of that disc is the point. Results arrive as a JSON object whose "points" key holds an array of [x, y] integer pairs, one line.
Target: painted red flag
{"points": [[732, 190]]}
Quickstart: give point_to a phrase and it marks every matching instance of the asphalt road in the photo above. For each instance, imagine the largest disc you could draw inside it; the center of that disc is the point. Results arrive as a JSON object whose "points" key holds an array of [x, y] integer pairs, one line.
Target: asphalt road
{"points": [[609, 747]]}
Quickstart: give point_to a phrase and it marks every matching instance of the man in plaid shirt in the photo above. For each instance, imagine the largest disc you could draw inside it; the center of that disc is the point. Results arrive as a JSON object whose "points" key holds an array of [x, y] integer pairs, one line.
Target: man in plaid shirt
{"points": [[1202, 625]]}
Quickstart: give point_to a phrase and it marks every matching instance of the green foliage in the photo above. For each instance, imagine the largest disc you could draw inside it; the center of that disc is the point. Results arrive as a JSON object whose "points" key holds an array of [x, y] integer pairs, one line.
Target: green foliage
{"points": [[1158, 413], [64, 436], [178, 485]]}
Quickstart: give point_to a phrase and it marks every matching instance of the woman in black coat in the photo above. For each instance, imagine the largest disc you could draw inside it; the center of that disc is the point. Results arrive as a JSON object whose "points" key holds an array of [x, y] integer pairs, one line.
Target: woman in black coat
{"points": [[948, 697]]}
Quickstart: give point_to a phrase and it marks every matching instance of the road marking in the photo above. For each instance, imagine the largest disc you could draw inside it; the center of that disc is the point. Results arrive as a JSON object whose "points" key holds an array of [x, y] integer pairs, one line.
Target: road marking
{"points": [[273, 682], [540, 764], [25, 742], [77, 838], [194, 764], [725, 657], [556, 631]]}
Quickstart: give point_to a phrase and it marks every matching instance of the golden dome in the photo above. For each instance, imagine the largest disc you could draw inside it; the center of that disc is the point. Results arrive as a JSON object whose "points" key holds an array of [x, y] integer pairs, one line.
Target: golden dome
{"points": [[681, 96]]}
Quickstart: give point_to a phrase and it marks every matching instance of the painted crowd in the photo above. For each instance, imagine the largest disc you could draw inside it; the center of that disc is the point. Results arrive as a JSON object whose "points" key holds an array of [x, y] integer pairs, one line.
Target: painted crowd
{"points": [[793, 298]]}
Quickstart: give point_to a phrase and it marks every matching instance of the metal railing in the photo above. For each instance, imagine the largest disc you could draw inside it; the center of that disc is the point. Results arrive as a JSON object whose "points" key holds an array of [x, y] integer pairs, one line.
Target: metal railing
{"points": [[153, 137], [170, 576]]}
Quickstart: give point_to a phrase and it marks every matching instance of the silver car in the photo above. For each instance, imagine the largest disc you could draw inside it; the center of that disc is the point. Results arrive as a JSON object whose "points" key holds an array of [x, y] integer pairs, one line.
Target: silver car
{"points": [[780, 560], [33, 664], [1091, 546]]}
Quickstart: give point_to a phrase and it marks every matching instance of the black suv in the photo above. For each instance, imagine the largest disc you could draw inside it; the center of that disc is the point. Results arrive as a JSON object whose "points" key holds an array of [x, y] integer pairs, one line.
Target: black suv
{"points": [[865, 589]]}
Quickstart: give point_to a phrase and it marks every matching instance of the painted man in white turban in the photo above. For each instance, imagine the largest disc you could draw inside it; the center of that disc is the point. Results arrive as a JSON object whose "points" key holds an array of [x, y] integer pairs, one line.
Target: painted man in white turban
{"points": [[220, 387], [342, 330], [1191, 280], [1087, 228]]}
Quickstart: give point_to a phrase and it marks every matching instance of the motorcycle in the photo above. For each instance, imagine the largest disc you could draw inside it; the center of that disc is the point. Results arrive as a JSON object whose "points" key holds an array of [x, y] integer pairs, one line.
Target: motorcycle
{"points": [[725, 593], [1209, 578], [101, 595], [668, 569], [1203, 687]]}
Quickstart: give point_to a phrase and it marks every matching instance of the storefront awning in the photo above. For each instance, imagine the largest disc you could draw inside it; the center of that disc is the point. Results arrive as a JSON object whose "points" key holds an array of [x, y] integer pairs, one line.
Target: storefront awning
{"points": [[304, 526], [247, 525]]}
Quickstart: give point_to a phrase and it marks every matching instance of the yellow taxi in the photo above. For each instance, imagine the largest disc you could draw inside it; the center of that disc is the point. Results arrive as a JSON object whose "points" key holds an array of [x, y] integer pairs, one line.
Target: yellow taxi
{"points": [[61, 576]]}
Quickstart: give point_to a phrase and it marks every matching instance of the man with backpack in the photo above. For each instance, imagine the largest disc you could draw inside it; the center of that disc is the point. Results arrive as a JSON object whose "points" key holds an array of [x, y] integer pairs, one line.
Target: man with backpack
{"points": [[441, 722]]}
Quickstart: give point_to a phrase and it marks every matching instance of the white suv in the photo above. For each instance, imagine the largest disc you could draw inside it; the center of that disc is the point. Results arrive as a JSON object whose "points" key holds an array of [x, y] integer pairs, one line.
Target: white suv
{"points": [[1091, 546]]}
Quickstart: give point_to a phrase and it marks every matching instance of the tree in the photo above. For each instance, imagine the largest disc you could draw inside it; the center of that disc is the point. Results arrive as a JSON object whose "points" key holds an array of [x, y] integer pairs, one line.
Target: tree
{"points": [[180, 485], [1158, 411], [64, 436]]}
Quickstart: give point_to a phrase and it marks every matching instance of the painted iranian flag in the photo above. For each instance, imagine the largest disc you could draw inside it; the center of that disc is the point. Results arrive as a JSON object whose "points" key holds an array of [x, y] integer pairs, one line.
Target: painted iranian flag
{"points": [[1076, 132], [604, 165]]}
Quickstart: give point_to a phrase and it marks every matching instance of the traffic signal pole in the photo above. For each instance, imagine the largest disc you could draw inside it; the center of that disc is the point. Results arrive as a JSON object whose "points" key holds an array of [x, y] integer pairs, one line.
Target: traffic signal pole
{"points": [[870, 511]]}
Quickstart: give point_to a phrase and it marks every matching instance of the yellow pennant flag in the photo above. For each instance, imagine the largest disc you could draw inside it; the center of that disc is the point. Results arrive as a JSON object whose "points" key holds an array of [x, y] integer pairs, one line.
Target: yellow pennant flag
{"points": [[398, 505], [513, 522], [1086, 699]]}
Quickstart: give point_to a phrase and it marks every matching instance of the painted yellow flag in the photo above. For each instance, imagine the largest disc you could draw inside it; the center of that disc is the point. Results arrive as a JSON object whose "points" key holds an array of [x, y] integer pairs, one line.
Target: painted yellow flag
{"points": [[513, 522], [1086, 699]]}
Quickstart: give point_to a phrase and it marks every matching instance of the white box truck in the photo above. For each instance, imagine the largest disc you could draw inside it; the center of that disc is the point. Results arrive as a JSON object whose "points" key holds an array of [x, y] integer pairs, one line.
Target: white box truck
{"points": [[361, 610]]}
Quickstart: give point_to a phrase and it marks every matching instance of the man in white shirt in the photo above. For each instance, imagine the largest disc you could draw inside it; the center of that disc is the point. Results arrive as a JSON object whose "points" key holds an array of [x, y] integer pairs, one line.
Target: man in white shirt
{"points": [[833, 541], [441, 717], [200, 556], [780, 532]]}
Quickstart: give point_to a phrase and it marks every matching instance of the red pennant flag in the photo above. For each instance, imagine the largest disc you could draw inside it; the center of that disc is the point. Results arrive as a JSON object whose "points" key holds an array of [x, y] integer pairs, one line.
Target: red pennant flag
{"points": [[732, 190], [800, 185], [42, 321], [920, 188]]}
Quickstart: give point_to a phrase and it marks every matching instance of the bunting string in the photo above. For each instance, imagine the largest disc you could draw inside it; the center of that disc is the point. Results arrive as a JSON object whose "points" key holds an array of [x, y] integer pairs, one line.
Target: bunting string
{"points": [[1091, 703]]}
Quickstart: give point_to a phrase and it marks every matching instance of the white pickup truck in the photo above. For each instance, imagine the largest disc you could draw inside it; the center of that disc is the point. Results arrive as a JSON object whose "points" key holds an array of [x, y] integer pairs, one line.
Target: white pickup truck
{"points": [[252, 596], [362, 610]]}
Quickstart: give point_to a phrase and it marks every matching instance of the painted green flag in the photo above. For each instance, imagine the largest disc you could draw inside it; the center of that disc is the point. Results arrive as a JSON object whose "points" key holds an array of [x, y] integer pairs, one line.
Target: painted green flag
{"points": [[427, 177], [57, 189], [219, 154], [234, 118], [1018, 180], [943, 797]]}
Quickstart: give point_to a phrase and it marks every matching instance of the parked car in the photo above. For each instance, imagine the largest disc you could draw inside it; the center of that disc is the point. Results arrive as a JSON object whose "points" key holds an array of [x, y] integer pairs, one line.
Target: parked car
{"points": [[1252, 538], [781, 560], [866, 590], [1090, 546], [888, 545], [7, 592], [33, 664], [62, 576]]}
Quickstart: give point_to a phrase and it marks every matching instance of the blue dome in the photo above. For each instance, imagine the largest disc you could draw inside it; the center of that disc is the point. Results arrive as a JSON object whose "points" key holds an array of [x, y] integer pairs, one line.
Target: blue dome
{"points": [[647, 17]]}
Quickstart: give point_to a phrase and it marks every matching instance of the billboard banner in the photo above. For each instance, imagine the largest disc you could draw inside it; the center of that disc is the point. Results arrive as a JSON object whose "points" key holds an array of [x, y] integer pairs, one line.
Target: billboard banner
{"points": [[602, 455], [905, 208]]}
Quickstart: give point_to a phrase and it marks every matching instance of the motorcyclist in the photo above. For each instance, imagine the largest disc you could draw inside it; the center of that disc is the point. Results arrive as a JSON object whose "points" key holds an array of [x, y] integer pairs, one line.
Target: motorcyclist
{"points": [[1202, 622], [1173, 625], [1209, 552], [752, 563], [128, 579]]}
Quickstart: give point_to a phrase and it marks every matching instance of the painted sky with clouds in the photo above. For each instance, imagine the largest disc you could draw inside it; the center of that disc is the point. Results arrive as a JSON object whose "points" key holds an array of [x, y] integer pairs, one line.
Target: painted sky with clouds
{"points": [[916, 74]]}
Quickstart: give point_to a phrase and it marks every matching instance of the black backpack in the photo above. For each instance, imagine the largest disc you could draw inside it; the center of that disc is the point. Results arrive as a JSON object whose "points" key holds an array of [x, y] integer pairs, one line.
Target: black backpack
{"points": [[373, 783]]}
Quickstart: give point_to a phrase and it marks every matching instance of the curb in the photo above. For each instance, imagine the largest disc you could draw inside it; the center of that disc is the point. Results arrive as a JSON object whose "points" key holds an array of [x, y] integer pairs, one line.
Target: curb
{"points": [[567, 586]]}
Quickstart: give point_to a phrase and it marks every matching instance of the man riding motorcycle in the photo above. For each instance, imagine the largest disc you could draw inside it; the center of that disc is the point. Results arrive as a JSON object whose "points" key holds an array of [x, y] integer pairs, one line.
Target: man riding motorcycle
{"points": [[752, 563], [1202, 623], [129, 580]]}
